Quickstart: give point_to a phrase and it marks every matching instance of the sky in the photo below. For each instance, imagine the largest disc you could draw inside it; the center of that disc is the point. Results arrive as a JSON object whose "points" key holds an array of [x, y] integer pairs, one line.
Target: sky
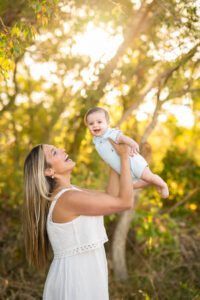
{"points": [[100, 45]]}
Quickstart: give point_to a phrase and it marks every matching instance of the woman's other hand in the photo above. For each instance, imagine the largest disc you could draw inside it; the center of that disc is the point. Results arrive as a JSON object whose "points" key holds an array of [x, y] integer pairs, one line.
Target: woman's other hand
{"points": [[121, 149]]}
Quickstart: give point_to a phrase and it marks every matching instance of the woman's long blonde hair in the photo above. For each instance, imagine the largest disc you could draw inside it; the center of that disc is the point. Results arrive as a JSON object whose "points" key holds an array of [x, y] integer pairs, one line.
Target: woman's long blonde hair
{"points": [[37, 191]]}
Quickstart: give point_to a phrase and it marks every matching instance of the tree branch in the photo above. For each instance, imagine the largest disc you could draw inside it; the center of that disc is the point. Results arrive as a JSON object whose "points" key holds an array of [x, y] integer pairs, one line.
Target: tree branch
{"points": [[153, 122], [185, 199], [161, 79]]}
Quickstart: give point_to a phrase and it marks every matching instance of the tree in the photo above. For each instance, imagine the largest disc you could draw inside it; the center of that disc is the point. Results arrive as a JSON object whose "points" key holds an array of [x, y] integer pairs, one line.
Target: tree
{"points": [[51, 85], [19, 22]]}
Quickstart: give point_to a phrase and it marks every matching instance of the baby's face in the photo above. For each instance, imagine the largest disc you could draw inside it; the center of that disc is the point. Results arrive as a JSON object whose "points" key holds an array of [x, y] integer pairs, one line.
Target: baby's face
{"points": [[97, 123]]}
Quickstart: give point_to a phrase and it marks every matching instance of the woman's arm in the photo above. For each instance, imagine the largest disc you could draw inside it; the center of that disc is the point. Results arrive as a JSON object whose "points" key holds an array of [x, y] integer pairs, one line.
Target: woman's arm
{"points": [[113, 183], [97, 203], [112, 187]]}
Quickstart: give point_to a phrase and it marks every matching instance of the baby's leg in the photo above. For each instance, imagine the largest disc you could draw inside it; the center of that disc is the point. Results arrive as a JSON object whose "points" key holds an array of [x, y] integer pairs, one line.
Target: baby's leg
{"points": [[140, 184], [156, 180]]}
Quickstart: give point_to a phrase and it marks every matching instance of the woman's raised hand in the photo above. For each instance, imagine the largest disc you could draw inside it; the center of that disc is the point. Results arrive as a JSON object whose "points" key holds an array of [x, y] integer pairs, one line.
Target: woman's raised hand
{"points": [[121, 149]]}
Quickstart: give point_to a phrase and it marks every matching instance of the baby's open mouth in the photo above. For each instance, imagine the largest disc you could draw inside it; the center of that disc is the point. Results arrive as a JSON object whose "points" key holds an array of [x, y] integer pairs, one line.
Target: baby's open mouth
{"points": [[97, 130]]}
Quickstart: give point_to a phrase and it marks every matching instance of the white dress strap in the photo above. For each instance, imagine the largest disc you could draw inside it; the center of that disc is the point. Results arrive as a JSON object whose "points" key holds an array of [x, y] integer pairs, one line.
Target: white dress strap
{"points": [[61, 192], [53, 203]]}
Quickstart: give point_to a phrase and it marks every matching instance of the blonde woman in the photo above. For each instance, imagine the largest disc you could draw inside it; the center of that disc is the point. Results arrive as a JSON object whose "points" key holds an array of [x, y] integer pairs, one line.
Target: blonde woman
{"points": [[69, 220]]}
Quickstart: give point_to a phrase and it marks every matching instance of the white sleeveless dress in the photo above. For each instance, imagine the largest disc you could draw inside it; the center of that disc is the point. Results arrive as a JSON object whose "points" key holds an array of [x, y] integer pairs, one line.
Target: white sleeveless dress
{"points": [[79, 268]]}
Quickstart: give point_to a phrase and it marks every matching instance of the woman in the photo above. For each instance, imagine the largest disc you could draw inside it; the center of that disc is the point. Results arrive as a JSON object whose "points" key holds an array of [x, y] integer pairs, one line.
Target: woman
{"points": [[70, 220]]}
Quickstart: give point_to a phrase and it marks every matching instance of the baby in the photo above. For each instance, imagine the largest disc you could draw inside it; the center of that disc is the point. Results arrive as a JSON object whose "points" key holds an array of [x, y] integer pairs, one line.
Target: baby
{"points": [[97, 120]]}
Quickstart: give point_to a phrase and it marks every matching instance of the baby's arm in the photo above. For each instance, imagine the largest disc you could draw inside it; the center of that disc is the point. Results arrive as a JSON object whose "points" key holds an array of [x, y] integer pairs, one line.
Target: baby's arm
{"points": [[127, 140]]}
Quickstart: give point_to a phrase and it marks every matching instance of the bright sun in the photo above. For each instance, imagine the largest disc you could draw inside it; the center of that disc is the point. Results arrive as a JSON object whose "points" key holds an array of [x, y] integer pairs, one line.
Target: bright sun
{"points": [[97, 43]]}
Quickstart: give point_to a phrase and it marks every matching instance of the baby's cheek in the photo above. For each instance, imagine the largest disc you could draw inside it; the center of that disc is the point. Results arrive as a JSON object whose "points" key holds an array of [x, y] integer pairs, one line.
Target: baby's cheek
{"points": [[105, 127]]}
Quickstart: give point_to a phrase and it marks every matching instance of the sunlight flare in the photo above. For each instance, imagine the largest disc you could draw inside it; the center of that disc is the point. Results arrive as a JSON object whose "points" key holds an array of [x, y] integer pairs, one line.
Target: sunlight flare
{"points": [[97, 43]]}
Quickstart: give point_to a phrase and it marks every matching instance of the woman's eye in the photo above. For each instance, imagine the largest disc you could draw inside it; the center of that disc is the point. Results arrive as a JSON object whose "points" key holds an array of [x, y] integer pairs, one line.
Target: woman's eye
{"points": [[54, 153]]}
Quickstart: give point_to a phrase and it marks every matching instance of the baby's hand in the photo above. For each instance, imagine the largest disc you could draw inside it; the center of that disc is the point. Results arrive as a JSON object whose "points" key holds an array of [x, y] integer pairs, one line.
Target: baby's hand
{"points": [[134, 148]]}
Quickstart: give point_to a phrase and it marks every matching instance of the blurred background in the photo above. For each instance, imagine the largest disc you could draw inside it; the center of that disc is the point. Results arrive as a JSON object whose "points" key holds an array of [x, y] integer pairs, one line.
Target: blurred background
{"points": [[140, 61]]}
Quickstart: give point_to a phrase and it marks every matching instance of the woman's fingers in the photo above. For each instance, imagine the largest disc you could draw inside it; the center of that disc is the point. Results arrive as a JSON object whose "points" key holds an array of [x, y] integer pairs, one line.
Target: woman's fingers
{"points": [[116, 146], [132, 152], [120, 148]]}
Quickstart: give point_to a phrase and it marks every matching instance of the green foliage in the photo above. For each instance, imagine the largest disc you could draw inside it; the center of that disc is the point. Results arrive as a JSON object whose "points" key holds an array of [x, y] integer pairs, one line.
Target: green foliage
{"points": [[18, 33], [183, 174]]}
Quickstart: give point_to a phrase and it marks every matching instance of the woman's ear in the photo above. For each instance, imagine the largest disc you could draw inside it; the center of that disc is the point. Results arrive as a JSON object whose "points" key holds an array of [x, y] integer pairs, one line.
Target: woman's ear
{"points": [[49, 172]]}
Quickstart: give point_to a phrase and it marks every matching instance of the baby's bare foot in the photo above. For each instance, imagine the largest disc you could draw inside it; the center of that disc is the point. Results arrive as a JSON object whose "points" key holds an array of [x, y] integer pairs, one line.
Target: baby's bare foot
{"points": [[164, 191]]}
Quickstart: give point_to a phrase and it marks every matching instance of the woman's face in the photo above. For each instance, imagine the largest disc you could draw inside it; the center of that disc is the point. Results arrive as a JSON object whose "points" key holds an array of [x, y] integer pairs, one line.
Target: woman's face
{"points": [[58, 159]]}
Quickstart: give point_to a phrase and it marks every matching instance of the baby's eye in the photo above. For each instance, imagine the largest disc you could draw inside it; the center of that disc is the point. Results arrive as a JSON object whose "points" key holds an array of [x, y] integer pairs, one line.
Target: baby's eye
{"points": [[99, 122], [54, 152], [90, 124]]}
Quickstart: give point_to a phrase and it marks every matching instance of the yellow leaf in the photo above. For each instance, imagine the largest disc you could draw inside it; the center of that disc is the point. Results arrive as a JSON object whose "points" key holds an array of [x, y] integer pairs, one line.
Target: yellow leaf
{"points": [[15, 31], [193, 206]]}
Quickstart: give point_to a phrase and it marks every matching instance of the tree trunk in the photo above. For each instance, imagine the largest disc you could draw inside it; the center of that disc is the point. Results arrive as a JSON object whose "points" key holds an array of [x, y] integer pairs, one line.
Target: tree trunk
{"points": [[122, 228], [119, 243], [119, 246]]}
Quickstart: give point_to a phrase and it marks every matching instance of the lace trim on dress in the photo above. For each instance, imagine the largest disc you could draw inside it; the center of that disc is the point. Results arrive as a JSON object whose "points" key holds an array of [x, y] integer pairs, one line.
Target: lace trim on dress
{"points": [[80, 249]]}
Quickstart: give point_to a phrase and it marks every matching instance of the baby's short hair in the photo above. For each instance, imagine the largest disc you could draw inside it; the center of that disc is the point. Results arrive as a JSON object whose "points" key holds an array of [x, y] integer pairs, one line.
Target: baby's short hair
{"points": [[95, 109]]}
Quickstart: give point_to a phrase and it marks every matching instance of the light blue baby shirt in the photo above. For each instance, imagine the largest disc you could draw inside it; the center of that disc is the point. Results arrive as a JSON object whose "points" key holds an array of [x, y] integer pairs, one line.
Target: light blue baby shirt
{"points": [[109, 155]]}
